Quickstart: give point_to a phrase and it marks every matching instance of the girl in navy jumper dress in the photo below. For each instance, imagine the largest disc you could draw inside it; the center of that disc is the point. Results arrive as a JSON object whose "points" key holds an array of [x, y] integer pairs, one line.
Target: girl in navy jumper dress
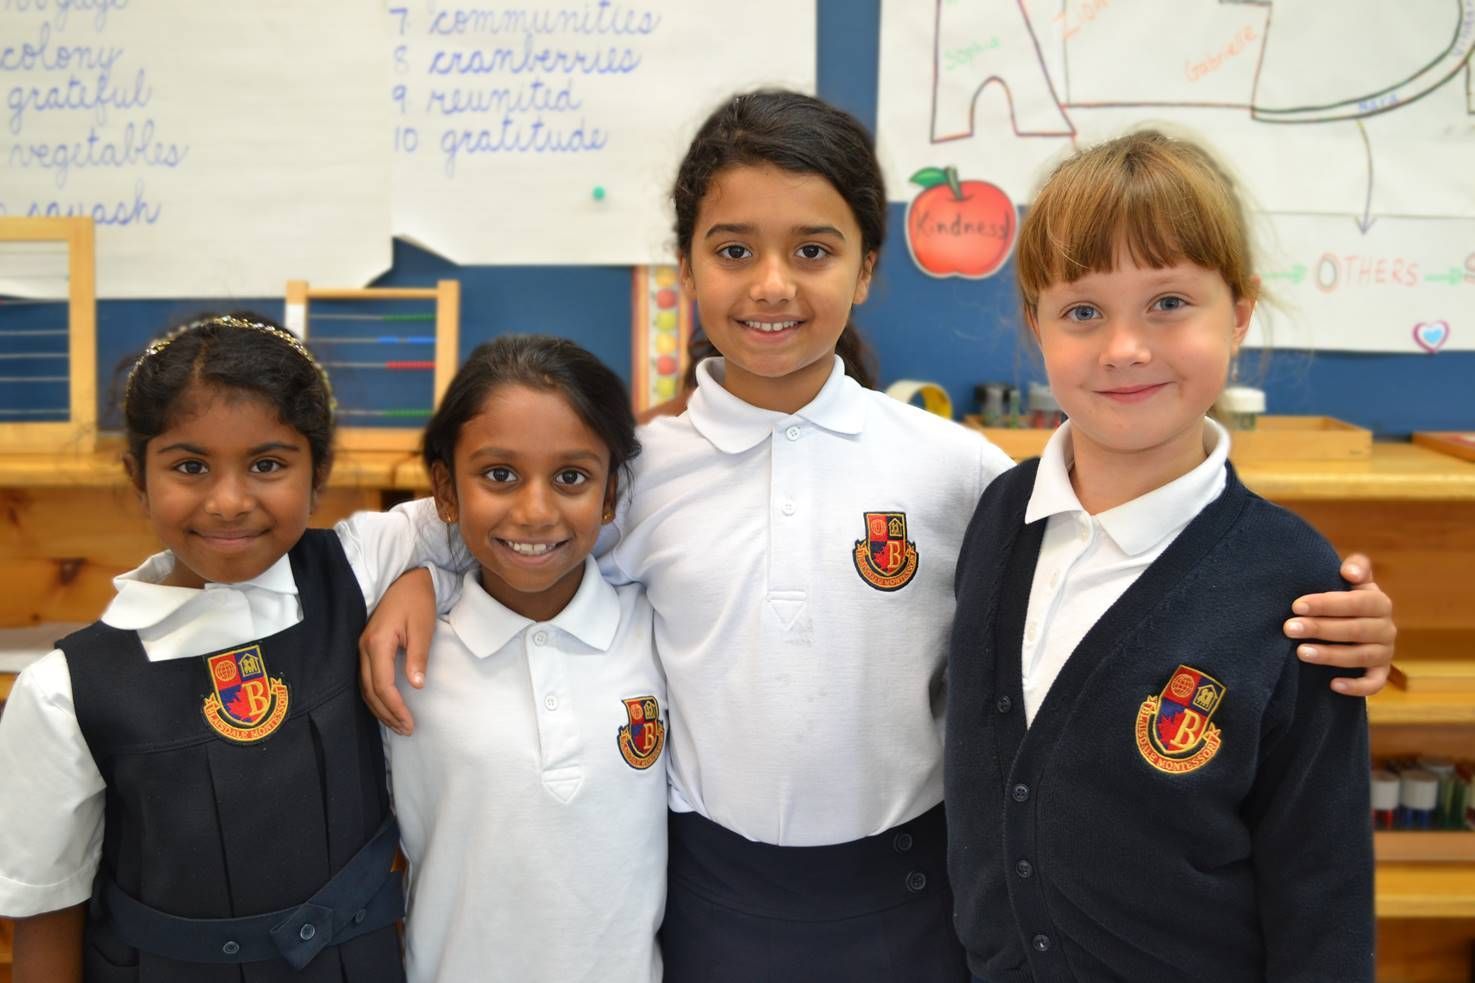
{"points": [[1178, 795], [796, 532], [191, 789]]}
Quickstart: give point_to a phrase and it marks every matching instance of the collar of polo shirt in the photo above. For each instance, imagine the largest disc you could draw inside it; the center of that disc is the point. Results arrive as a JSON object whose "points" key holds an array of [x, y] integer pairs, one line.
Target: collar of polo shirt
{"points": [[733, 426], [1139, 525], [143, 600], [485, 626]]}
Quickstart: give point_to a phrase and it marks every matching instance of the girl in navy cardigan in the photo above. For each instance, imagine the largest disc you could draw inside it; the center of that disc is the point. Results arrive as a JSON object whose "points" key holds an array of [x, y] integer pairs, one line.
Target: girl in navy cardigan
{"points": [[1178, 795]]}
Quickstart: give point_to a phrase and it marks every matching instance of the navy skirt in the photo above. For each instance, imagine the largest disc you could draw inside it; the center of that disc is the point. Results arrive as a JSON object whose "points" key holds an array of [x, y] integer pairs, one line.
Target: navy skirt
{"points": [[873, 909]]}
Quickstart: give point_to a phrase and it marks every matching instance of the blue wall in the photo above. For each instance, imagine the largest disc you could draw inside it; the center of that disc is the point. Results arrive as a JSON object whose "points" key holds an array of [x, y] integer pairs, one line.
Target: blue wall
{"points": [[954, 332]]}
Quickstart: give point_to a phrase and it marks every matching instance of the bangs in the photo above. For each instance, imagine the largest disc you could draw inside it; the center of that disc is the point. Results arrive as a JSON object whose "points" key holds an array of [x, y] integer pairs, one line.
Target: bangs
{"points": [[1161, 201]]}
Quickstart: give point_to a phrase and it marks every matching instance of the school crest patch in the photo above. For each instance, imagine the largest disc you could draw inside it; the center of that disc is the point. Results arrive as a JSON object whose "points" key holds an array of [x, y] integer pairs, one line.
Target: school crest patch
{"points": [[247, 705], [642, 739], [886, 559], [1174, 734]]}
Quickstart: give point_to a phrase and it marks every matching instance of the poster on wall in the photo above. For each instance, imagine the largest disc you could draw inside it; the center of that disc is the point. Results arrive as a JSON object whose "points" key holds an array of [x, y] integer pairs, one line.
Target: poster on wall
{"points": [[221, 149], [550, 132], [1354, 138]]}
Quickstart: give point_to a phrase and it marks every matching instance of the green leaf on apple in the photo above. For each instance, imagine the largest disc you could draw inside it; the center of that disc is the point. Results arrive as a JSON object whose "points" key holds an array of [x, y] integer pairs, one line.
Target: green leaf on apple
{"points": [[931, 177]]}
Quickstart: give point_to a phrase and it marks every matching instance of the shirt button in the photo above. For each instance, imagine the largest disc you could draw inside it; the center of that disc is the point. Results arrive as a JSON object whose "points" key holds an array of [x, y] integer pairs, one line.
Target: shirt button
{"points": [[1020, 793], [1041, 943], [1055, 579], [550, 701], [541, 638], [788, 508], [916, 882], [307, 932], [231, 948], [1085, 532], [359, 916], [1031, 632], [1004, 704], [902, 843], [792, 433], [1024, 868]]}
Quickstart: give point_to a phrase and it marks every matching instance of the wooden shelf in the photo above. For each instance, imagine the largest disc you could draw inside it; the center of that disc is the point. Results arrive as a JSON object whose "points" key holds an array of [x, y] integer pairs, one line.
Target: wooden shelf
{"points": [[1424, 846], [1425, 890], [1396, 471], [1425, 647]]}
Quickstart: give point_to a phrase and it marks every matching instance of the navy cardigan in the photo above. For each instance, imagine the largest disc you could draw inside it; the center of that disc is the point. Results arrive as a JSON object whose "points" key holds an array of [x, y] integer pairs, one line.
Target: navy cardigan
{"points": [[1190, 801]]}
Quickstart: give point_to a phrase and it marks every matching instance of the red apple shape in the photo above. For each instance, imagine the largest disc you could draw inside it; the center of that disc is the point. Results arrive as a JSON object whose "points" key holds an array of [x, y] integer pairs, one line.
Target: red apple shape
{"points": [[959, 228]]}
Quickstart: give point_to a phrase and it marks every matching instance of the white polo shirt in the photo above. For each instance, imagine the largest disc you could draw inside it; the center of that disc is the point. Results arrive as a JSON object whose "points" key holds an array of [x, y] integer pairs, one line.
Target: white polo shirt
{"points": [[806, 685], [51, 793], [1087, 562], [532, 795]]}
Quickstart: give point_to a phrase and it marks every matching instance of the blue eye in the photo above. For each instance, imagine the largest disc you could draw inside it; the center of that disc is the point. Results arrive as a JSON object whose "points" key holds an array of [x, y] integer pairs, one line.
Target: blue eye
{"points": [[734, 251], [1082, 312], [1170, 303]]}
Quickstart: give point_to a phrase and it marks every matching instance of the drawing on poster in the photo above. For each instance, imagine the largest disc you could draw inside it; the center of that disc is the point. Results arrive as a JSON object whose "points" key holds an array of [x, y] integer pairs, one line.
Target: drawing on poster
{"points": [[1354, 137]]}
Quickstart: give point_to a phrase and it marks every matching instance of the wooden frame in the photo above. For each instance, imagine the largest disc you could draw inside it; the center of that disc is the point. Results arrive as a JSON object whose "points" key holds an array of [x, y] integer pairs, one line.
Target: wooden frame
{"points": [[660, 327], [447, 297], [79, 431]]}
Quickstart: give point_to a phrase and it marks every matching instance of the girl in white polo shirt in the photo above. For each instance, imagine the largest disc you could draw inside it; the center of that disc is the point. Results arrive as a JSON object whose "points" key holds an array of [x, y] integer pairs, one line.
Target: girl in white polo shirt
{"points": [[797, 536], [532, 795]]}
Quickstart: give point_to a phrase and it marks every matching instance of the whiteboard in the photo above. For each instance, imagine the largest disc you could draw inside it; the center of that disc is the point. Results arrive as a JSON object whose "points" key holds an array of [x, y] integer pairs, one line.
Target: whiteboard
{"points": [[222, 148], [1354, 135], [550, 132]]}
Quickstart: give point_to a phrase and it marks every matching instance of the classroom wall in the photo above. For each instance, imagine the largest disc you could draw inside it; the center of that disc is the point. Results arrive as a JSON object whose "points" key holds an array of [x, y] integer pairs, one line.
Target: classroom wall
{"points": [[954, 332]]}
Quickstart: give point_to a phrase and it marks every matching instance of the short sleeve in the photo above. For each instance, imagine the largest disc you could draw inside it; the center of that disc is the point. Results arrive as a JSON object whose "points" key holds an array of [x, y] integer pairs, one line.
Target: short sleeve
{"points": [[992, 462], [51, 796], [381, 546]]}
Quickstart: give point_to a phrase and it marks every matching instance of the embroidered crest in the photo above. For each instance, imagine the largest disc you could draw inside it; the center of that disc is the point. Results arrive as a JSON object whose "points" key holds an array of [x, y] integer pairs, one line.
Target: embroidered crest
{"points": [[1174, 734], [885, 559], [642, 739], [247, 705]]}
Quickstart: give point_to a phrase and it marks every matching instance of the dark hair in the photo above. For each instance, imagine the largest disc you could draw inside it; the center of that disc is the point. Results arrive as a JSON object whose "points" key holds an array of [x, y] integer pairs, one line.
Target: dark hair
{"points": [[241, 352], [541, 362], [797, 133]]}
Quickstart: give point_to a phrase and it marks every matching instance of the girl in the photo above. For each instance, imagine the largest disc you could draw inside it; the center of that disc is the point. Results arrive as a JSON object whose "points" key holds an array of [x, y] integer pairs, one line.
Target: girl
{"points": [[198, 762], [797, 535], [1178, 795], [532, 797]]}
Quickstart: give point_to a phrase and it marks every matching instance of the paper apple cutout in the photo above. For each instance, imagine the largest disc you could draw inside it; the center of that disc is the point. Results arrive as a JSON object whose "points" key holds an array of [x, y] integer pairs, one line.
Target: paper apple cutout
{"points": [[959, 228]]}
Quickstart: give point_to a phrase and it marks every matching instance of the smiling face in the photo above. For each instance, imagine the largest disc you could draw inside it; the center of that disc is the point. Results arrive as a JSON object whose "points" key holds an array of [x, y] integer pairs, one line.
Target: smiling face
{"points": [[1136, 356], [227, 487], [776, 263], [530, 489]]}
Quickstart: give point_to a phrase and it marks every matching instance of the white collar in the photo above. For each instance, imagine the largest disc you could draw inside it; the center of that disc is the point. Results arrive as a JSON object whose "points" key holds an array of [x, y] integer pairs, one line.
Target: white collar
{"points": [[485, 625], [733, 426], [1142, 523], [143, 600]]}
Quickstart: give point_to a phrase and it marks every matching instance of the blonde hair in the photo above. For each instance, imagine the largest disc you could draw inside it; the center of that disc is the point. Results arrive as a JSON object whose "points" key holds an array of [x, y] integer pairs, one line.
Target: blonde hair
{"points": [[1161, 198]]}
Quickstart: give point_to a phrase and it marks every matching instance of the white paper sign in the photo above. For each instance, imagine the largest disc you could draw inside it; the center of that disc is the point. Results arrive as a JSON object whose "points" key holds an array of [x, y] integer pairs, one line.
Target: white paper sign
{"points": [[222, 148], [1354, 132], [550, 132]]}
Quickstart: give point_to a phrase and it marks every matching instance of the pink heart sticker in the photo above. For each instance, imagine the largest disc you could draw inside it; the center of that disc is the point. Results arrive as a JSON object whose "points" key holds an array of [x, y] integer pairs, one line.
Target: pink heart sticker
{"points": [[1431, 335]]}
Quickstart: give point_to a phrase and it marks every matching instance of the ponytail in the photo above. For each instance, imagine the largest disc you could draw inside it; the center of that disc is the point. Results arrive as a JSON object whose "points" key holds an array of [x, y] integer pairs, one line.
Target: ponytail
{"points": [[859, 358]]}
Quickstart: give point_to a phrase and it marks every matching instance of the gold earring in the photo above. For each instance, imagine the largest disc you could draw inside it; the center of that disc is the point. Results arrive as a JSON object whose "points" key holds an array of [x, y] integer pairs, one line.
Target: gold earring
{"points": [[609, 515]]}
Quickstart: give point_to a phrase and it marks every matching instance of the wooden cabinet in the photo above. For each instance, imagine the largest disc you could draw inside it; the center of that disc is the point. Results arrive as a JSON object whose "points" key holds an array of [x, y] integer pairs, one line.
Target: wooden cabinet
{"points": [[69, 525]]}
